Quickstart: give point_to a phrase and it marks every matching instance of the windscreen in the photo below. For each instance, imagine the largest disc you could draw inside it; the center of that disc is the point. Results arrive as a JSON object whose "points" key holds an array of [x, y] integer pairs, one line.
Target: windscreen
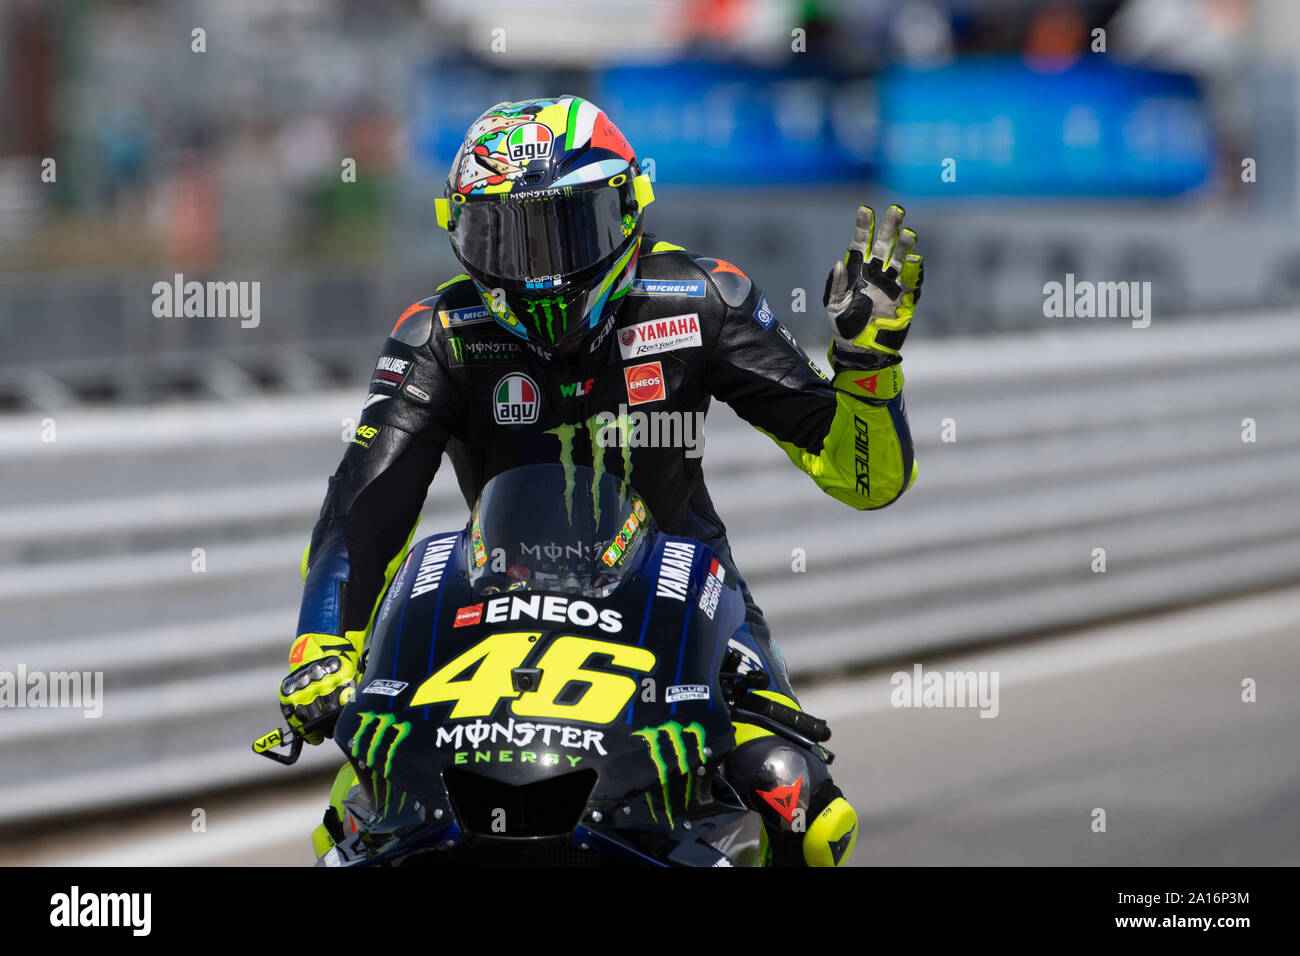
{"points": [[557, 528]]}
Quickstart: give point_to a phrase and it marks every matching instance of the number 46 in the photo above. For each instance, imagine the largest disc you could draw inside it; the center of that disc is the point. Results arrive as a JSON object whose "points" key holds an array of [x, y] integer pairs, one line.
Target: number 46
{"points": [[604, 696]]}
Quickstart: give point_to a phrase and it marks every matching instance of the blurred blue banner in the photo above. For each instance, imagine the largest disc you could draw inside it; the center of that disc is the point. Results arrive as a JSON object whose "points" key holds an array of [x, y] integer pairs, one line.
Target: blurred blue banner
{"points": [[729, 125], [1096, 129]]}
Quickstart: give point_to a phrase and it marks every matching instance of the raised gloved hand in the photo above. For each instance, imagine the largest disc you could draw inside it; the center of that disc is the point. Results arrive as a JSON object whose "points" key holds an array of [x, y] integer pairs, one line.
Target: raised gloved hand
{"points": [[323, 680], [870, 299]]}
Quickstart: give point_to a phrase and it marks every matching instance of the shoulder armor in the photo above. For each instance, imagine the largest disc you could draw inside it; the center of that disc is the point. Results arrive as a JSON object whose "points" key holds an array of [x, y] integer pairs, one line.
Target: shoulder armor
{"points": [[452, 304], [732, 284]]}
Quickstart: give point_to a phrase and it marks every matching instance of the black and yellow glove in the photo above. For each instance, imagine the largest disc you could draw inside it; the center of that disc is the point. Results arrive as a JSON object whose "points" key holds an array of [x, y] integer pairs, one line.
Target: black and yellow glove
{"points": [[870, 298], [322, 682]]}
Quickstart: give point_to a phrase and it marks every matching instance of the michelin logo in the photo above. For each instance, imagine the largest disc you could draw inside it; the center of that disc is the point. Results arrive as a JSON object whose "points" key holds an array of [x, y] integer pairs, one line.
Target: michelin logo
{"points": [[693, 289], [472, 315]]}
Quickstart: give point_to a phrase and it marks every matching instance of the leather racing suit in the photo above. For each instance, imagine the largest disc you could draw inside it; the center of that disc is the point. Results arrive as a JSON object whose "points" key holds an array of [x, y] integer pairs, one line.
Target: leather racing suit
{"points": [[691, 329]]}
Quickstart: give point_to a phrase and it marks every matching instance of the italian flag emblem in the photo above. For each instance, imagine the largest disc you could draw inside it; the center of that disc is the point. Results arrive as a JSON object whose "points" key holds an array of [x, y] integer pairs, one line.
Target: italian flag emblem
{"points": [[515, 400], [530, 141]]}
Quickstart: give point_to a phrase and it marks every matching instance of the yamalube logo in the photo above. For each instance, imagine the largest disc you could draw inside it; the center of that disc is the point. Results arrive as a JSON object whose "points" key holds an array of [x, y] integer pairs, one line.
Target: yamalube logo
{"points": [[514, 401]]}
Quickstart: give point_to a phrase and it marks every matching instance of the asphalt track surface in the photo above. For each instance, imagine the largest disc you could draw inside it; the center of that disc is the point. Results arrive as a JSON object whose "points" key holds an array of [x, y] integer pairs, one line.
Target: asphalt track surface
{"points": [[1144, 720]]}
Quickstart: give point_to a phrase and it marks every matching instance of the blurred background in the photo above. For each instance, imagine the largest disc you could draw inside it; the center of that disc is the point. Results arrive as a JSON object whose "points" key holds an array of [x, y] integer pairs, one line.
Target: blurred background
{"points": [[161, 475]]}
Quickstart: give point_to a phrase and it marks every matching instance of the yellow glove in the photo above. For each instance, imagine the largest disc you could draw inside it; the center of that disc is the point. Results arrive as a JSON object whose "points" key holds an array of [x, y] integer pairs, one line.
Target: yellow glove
{"points": [[872, 292], [323, 680]]}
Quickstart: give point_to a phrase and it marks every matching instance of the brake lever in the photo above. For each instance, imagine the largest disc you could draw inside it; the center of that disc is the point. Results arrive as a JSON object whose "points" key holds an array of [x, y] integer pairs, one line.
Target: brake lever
{"points": [[279, 738]]}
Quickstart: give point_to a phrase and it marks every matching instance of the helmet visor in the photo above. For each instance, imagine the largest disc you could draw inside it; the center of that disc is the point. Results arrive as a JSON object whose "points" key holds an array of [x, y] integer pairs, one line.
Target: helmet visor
{"points": [[543, 241]]}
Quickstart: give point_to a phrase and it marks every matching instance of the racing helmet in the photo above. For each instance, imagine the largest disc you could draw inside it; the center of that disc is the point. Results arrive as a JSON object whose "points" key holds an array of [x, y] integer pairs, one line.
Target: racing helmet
{"points": [[544, 206]]}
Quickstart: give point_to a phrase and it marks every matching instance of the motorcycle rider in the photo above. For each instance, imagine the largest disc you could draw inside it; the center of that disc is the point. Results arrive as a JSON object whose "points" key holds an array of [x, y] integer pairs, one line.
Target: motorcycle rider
{"points": [[568, 315]]}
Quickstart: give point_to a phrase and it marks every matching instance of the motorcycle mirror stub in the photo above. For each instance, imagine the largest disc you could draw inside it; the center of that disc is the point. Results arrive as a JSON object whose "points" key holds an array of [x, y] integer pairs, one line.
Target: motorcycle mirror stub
{"points": [[525, 679]]}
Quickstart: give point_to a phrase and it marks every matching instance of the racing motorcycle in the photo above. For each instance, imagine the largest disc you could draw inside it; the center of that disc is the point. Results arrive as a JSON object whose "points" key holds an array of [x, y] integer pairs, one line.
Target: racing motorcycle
{"points": [[553, 684]]}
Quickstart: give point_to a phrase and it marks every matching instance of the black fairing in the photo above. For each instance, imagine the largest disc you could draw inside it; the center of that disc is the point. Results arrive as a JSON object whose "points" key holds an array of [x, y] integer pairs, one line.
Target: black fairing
{"points": [[591, 751]]}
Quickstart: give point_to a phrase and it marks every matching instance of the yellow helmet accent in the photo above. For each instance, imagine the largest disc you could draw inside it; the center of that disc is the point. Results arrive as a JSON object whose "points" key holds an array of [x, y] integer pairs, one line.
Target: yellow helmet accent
{"points": [[645, 193], [443, 208], [831, 837]]}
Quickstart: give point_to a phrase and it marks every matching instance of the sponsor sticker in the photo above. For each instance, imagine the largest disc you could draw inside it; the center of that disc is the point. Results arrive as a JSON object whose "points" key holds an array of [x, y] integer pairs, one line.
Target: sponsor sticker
{"points": [[763, 313], [694, 289], [529, 141], [645, 383], [687, 692], [432, 563], [418, 393], [577, 389], [364, 435], [675, 570], [712, 589], [388, 688], [468, 351], [471, 315], [626, 535], [557, 610], [515, 400], [660, 335], [469, 616], [390, 370]]}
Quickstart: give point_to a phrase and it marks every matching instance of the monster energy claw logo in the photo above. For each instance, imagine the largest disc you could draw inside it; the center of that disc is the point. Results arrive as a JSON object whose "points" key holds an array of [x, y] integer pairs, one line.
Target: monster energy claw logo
{"points": [[682, 758], [595, 426], [548, 308], [382, 722]]}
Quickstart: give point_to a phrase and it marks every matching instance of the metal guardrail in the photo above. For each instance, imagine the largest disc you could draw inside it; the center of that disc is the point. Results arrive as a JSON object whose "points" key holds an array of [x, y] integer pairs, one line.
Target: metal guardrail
{"points": [[314, 322], [1127, 440]]}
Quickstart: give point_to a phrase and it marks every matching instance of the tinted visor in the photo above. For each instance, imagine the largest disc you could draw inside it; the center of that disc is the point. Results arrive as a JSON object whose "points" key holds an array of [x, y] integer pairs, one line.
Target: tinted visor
{"points": [[531, 240]]}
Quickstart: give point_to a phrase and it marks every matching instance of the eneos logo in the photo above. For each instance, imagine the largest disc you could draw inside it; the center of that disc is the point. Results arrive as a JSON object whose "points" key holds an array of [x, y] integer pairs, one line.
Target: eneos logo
{"points": [[515, 400], [469, 616], [529, 141], [645, 383]]}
